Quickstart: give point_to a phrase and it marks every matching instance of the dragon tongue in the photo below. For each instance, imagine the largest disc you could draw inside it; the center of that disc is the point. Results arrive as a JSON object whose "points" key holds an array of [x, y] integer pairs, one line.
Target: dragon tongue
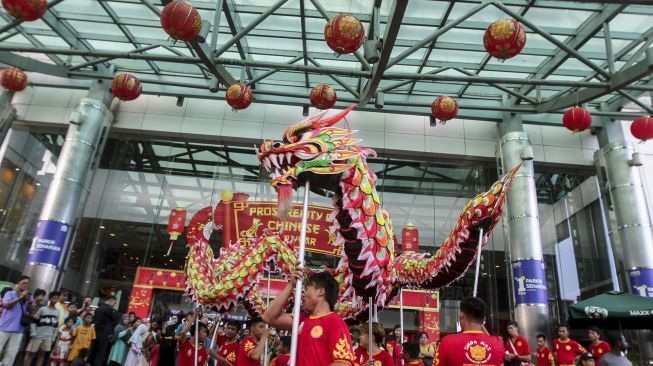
{"points": [[284, 200]]}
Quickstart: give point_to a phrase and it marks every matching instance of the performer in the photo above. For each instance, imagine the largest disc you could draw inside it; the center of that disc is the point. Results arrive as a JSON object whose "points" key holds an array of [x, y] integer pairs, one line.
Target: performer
{"points": [[250, 352], [323, 336], [228, 352], [187, 346], [411, 354], [565, 349], [598, 347], [473, 345], [393, 346], [518, 351], [380, 356], [544, 354], [283, 358]]}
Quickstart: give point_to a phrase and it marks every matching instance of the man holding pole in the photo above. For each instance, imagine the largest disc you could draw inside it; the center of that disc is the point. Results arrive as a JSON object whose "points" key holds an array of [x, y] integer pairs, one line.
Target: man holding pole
{"points": [[323, 337]]}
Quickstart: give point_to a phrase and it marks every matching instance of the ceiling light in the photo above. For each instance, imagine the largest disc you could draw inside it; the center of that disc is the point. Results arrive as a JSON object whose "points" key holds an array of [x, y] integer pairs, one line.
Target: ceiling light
{"points": [[17, 169], [126, 245], [112, 234], [102, 227]]}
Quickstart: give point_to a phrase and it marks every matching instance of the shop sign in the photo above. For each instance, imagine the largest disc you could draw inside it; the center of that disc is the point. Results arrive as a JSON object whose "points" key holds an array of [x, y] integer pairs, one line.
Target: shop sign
{"points": [[48, 243], [529, 282]]}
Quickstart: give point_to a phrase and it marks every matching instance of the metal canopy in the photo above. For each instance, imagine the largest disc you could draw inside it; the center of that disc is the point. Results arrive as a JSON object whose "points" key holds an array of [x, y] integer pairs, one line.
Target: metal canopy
{"points": [[576, 52]]}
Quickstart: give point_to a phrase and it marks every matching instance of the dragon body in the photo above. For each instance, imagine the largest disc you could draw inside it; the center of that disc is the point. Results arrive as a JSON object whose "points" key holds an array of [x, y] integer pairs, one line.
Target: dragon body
{"points": [[316, 151]]}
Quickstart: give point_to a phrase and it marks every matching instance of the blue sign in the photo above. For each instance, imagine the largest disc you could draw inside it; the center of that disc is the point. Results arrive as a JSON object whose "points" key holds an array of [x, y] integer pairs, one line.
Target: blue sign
{"points": [[48, 243], [641, 281], [529, 282]]}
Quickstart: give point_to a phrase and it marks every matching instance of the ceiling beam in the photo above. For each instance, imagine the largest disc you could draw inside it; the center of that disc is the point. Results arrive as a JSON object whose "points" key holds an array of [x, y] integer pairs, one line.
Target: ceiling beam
{"points": [[235, 26]]}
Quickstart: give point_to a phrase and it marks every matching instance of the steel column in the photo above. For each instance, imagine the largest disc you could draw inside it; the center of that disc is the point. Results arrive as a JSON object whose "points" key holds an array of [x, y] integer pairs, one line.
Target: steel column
{"points": [[89, 124], [524, 245], [7, 113]]}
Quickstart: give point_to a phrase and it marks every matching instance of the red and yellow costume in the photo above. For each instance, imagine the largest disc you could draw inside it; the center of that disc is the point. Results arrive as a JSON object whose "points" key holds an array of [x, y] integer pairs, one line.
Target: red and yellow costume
{"points": [[322, 340], [187, 354], [229, 350], [470, 348], [545, 357], [520, 344], [600, 350], [394, 349], [281, 360], [381, 358], [244, 353], [566, 351]]}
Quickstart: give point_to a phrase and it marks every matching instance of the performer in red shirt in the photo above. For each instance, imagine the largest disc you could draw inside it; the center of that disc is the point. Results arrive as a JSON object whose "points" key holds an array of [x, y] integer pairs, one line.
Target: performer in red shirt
{"points": [[228, 352], [518, 350], [473, 345], [251, 349], [283, 358], [565, 349], [380, 356], [393, 346], [186, 346], [598, 347], [411, 354], [323, 337], [544, 354]]}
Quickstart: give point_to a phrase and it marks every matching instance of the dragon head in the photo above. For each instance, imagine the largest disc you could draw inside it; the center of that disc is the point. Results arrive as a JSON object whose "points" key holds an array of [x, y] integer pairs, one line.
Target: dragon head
{"points": [[310, 147]]}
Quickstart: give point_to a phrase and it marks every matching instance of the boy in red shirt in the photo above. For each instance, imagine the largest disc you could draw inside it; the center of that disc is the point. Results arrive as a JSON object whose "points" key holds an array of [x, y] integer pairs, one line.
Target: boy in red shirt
{"points": [[283, 359], [544, 354], [411, 354], [565, 349], [250, 352], [393, 346], [473, 345], [323, 338], [517, 347], [380, 356], [186, 346], [598, 347], [227, 355]]}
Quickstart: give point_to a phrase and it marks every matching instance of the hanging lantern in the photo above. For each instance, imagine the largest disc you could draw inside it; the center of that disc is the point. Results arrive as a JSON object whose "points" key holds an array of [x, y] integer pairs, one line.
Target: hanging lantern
{"points": [[25, 10], [126, 87], [239, 96], [504, 39], [13, 79], [444, 108], [642, 128], [322, 96], [344, 33], [409, 238], [176, 224], [577, 119], [181, 21]]}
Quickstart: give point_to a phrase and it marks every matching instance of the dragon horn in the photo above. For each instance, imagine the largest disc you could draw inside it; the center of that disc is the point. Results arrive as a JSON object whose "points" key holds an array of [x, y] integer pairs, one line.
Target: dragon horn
{"points": [[332, 120]]}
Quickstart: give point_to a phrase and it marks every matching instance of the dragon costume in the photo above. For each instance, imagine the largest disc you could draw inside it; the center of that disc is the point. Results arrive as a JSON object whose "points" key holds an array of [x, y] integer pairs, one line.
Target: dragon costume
{"points": [[316, 150]]}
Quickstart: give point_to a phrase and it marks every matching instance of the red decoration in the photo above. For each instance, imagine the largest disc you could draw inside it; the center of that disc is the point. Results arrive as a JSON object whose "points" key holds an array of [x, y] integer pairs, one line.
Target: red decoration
{"points": [[126, 87], [577, 119], [642, 128], [239, 96], [13, 79], [409, 238], [504, 39], [181, 21], [25, 10], [176, 222], [444, 108], [323, 96], [344, 33]]}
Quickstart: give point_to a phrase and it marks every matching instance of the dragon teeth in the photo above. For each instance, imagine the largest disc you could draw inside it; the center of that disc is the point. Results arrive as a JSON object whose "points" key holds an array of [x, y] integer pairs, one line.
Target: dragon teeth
{"points": [[281, 157], [274, 160], [266, 162], [288, 156]]}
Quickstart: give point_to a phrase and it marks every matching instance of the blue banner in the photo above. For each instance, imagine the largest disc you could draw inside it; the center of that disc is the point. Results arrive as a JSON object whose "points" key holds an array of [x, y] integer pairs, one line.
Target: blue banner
{"points": [[48, 243], [641, 281], [529, 282]]}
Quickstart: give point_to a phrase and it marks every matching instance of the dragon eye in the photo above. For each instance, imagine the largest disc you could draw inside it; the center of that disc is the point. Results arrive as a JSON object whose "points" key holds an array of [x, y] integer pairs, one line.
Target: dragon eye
{"points": [[276, 145]]}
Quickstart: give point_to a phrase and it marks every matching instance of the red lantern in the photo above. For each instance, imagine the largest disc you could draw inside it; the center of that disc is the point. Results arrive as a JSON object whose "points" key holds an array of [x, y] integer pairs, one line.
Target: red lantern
{"points": [[642, 128], [504, 39], [577, 119], [322, 96], [181, 21], [25, 10], [126, 87], [176, 222], [239, 96], [344, 33], [409, 238], [13, 79], [444, 108]]}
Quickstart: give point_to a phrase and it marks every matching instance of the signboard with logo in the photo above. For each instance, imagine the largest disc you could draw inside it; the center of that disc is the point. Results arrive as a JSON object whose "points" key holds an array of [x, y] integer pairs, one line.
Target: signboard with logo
{"points": [[48, 243], [641, 281], [529, 282]]}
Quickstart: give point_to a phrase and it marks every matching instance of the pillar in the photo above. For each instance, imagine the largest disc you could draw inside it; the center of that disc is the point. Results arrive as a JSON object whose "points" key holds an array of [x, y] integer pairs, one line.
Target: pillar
{"points": [[7, 113], [88, 126], [631, 231], [530, 299]]}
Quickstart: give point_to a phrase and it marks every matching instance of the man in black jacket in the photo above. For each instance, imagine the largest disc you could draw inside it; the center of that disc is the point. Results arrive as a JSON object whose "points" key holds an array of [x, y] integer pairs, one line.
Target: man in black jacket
{"points": [[105, 320]]}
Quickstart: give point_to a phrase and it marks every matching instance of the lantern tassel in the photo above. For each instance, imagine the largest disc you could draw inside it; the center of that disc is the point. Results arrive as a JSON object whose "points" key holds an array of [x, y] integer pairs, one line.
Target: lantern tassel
{"points": [[170, 248]]}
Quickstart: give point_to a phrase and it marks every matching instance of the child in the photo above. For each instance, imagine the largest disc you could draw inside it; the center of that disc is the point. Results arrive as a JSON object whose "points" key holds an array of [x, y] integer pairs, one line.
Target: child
{"points": [[84, 336], [63, 342], [565, 349], [380, 356], [81, 357], [284, 353], [544, 355], [411, 354]]}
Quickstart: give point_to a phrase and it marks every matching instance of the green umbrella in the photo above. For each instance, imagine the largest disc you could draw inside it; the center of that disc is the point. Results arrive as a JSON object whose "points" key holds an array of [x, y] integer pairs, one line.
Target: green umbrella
{"points": [[613, 310]]}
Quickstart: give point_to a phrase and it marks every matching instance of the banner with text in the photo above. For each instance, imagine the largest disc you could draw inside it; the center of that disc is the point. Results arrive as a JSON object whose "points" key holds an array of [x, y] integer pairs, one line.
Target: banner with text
{"points": [[250, 217], [641, 281], [48, 242], [529, 282]]}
